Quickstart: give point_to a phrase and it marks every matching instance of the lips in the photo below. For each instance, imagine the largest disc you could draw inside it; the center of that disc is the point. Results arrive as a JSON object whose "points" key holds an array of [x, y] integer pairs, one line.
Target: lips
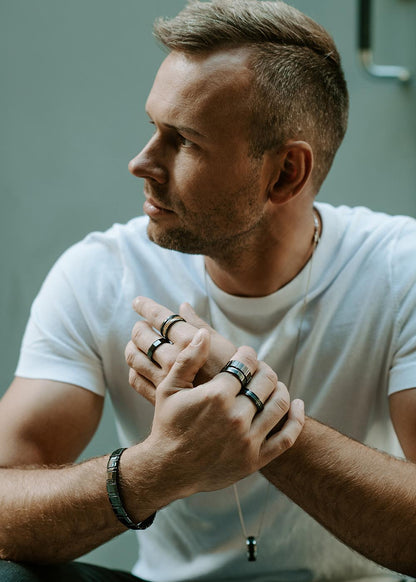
{"points": [[153, 208]]}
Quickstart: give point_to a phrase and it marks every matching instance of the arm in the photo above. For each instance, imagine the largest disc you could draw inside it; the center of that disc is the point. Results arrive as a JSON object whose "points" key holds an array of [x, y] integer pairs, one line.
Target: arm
{"points": [[56, 514], [50, 514], [364, 497]]}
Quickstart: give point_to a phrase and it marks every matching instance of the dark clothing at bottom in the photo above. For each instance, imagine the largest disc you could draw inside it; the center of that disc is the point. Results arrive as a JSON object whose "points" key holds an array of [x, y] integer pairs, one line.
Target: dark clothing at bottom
{"points": [[70, 572]]}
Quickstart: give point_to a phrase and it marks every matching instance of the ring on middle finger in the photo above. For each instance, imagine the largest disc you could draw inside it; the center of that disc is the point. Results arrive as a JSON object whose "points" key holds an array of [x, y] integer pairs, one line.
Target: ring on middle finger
{"points": [[239, 370], [154, 345], [168, 323]]}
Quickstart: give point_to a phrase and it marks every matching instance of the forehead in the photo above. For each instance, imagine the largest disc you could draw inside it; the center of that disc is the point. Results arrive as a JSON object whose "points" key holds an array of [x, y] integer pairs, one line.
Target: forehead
{"points": [[204, 89]]}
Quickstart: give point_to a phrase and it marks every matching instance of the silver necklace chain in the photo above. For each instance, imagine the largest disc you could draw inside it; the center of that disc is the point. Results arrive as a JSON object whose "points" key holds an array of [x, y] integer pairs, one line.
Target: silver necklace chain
{"points": [[252, 540]]}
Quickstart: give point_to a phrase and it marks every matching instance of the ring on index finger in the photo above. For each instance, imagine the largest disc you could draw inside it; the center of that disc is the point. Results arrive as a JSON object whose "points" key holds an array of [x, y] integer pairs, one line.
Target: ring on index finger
{"points": [[240, 371], [154, 345], [168, 322]]}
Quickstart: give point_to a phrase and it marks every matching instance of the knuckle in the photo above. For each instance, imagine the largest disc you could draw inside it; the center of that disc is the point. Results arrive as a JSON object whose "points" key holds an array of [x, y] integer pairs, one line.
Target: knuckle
{"points": [[218, 400], [138, 330], [283, 396], [153, 312], [129, 355], [271, 377], [132, 378], [238, 425], [268, 374], [287, 441], [249, 356], [281, 404]]}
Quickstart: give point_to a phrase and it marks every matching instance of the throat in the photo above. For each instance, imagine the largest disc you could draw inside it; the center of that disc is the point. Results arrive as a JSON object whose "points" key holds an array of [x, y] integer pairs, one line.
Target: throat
{"points": [[267, 267], [257, 278]]}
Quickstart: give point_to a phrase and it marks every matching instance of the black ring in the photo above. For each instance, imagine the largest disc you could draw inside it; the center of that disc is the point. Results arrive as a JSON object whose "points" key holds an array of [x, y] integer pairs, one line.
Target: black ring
{"points": [[254, 398], [240, 370], [154, 345], [168, 322], [238, 374]]}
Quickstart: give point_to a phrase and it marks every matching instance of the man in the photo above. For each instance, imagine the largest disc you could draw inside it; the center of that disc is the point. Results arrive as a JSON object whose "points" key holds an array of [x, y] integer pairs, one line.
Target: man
{"points": [[249, 108]]}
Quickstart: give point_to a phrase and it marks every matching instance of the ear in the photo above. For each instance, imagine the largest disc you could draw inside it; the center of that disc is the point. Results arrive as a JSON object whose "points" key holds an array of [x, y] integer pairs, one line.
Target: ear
{"points": [[294, 163]]}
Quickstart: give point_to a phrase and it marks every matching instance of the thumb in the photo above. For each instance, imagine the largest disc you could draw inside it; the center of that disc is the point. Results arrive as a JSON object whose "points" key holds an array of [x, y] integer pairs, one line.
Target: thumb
{"points": [[187, 312], [187, 364]]}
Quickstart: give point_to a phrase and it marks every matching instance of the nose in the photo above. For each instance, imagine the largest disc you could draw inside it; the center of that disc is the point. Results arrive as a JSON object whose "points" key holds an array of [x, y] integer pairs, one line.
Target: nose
{"points": [[148, 164]]}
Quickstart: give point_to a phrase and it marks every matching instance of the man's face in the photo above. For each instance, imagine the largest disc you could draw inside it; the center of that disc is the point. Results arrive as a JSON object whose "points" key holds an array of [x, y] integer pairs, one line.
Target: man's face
{"points": [[204, 193]]}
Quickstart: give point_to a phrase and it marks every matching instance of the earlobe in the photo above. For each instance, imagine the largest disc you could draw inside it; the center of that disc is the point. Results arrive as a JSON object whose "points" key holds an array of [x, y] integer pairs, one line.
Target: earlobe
{"points": [[294, 168]]}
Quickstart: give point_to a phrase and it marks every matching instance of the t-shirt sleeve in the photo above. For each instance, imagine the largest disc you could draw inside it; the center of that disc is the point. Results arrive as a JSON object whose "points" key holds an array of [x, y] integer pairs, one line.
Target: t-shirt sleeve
{"points": [[59, 342], [403, 270]]}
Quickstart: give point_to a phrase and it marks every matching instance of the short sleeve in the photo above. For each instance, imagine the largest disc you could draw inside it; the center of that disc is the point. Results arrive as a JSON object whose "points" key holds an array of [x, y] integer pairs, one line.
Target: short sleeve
{"points": [[403, 269], [59, 341]]}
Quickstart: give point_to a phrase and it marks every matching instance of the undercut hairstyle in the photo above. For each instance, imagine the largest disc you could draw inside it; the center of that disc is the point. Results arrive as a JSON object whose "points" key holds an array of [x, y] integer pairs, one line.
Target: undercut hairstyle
{"points": [[299, 90]]}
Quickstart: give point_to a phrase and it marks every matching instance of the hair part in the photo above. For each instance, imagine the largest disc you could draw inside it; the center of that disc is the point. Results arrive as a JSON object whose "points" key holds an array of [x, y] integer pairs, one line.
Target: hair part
{"points": [[299, 90]]}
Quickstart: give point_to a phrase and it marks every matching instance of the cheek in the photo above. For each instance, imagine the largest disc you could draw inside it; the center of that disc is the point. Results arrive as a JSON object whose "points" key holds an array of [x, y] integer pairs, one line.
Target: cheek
{"points": [[192, 174], [198, 184]]}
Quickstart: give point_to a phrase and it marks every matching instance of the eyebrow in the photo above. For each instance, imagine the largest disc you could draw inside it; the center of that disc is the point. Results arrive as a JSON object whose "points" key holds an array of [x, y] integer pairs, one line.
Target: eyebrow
{"points": [[180, 128], [185, 129]]}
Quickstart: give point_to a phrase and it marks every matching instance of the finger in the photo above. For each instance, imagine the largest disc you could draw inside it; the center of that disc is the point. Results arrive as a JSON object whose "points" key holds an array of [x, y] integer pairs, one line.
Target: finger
{"points": [[188, 363], [140, 363], [262, 387], [143, 335], [276, 409], [155, 314], [286, 438], [187, 312], [246, 356], [142, 386]]}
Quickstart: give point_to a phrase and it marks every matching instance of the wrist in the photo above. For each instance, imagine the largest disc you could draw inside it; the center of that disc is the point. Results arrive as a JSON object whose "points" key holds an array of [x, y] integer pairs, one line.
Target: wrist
{"points": [[114, 494], [143, 483]]}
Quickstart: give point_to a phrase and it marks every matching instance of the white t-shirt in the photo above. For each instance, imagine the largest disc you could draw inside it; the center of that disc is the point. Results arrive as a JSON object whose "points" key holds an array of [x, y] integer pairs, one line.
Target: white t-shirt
{"points": [[357, 345]]}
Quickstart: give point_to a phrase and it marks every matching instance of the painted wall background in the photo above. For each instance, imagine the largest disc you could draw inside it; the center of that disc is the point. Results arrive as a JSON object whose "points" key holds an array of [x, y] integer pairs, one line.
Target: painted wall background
{"points": [[74, 79]]}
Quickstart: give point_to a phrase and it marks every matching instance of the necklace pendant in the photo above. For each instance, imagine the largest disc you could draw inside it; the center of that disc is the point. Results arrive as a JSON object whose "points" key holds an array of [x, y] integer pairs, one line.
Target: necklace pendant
{"points": [[251, 548]]}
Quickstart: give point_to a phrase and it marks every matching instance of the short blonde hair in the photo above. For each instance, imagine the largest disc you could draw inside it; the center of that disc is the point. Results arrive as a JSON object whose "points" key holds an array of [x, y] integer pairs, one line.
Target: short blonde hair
{"points": [[299, 90]]}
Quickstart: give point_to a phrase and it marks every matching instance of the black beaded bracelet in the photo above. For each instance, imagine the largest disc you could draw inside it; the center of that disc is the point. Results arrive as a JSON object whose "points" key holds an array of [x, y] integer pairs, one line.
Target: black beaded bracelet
{"points": [[114, 494]]}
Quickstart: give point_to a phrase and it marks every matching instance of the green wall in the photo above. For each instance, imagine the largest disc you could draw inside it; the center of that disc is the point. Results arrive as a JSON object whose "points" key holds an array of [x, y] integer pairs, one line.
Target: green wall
{"points": [[74, 79]]}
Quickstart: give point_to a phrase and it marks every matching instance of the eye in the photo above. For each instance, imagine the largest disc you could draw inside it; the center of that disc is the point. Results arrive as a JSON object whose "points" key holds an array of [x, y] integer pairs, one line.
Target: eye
{"points": [[184, 141]]}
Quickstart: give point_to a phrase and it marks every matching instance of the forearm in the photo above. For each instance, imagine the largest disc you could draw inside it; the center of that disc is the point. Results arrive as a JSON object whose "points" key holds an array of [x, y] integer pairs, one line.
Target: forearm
{"points": [[54, 515], [58, 514], [365, 498]]}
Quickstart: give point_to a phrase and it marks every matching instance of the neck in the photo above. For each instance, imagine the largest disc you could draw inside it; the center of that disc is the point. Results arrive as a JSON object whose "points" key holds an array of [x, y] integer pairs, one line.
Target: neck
{"points": [[270, 262]]}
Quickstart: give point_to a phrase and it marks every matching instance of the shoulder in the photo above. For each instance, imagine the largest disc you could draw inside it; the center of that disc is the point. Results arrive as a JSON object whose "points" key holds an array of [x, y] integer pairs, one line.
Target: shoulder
{"points": [[359, 228], [120, 263], [107, 249], [364, 220], [361, 249]]}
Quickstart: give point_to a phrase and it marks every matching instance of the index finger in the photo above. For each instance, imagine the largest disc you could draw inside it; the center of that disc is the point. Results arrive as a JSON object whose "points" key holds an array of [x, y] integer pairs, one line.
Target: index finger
{"points": [[156, 314]]}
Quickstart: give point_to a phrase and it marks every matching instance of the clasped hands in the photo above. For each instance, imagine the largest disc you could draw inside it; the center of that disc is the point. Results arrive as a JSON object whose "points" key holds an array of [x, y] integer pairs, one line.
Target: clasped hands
{"points": [[207, 435]]}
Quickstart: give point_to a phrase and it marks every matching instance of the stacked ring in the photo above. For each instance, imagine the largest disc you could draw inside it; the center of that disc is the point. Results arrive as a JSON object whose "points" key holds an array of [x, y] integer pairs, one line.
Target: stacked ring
{"points": [[240, 371], [168, 322], [154, 345], [253, 397]]}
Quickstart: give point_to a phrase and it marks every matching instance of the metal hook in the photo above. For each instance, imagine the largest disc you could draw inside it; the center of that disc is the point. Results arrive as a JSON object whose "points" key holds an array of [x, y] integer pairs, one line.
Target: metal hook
{"points": [[365, 52]]}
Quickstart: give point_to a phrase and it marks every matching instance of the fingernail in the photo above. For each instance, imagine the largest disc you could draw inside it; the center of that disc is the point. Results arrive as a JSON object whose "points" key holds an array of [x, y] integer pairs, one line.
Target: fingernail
{"points": [[300, 405]]}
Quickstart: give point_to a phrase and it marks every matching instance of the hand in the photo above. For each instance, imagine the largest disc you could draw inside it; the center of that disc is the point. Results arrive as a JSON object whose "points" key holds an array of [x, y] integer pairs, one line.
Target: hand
{"points": [[207, 437], [144, 375]]}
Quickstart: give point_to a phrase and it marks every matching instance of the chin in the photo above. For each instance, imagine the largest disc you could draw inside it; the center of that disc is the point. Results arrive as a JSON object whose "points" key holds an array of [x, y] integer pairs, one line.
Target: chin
{"points": [[177, 239]]}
